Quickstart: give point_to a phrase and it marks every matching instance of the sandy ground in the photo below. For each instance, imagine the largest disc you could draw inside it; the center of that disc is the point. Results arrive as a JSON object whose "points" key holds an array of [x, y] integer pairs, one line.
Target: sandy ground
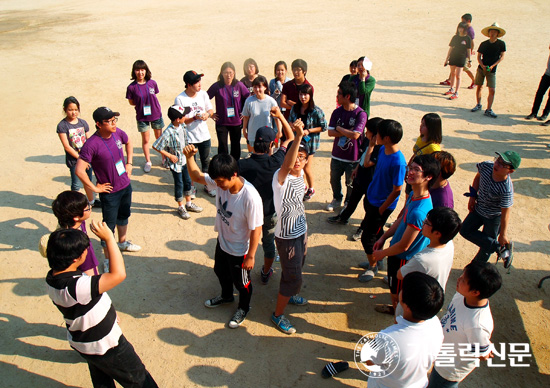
{"points": [[53, 49]]}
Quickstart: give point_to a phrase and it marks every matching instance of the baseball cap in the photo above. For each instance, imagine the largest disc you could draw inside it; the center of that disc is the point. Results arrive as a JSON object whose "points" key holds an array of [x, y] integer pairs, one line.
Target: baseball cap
{"points": [[266, 133], [510, 157], [191, 77], [303, 146], [103, 113]]}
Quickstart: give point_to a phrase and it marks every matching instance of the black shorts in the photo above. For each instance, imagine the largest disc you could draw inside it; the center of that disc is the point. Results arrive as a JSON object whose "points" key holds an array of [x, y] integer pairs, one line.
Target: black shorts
{"points": [[373, 226], [394, 263]]}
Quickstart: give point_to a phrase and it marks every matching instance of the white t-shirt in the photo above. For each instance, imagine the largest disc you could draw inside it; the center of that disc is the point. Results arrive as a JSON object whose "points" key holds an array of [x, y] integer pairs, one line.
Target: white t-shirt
{"points": [[288, 199], [197, 131], [419, 344], [237, 214], [259, 115], [436, 262], [464, 324]]}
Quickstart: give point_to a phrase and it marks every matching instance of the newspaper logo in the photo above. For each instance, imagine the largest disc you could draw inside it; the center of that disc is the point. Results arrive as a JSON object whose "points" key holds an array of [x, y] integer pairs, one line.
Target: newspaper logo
{"points": [[376, 355]]}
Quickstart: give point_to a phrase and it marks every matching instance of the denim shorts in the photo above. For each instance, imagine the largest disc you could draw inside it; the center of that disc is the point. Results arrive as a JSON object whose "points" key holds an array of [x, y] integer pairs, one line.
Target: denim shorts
{"points": [[143, 126], [116, 207]]}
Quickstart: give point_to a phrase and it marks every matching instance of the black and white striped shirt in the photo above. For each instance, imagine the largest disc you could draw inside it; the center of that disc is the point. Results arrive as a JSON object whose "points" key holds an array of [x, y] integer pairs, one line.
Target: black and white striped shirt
{"points": [[289, 206]]}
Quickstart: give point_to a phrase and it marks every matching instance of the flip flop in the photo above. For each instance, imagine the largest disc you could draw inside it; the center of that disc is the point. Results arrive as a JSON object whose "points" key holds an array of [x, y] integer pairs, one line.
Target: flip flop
{"points": [[385, 309], [333, 368]]}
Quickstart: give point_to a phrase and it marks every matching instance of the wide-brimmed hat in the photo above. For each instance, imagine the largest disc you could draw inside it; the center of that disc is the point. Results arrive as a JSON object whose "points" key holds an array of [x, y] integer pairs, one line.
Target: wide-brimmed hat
{"points": [[494, 26]]}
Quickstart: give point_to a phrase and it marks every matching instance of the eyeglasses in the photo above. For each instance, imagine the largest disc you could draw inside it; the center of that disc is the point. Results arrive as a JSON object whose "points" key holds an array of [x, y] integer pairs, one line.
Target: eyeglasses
{"points": [[415, 169], [301, 158], [502, 163], [89, 208], [426, 222], [112, 121]]}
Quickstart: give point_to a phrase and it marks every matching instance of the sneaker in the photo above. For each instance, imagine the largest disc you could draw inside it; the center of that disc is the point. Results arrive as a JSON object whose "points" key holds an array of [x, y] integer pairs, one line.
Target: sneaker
{"points": [[490, 113], [532, 116], [476, 108], [105, 266], [147, 167], [446, 82], [217, 301], [368, 275], [96, 204], [128, 246], [448, 92], [335, 203], [183, 213], [454, 96], [473, 85], [357, 235], [211, 193], [193, 192], [298, 300], [277, 259], [543, 117], [264, 277], [337, 220], [283, 324], [309, 194], [192, 207], [506, 253], [237, 319]]}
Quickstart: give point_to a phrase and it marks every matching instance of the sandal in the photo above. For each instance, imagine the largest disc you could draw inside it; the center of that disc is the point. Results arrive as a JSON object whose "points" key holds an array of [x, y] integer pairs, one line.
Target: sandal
{"points": [[385, 309], [333, 368]]}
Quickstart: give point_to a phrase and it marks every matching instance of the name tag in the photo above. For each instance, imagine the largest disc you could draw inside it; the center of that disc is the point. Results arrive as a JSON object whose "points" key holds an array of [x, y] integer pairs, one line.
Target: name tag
{"points": [[120, 168], [147, 110], [231, 112]]}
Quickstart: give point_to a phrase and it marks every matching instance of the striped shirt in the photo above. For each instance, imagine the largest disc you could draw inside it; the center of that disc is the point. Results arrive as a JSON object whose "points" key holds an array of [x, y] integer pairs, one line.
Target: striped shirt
{"points": [[289, 206], [492, 196], [89, 316]]}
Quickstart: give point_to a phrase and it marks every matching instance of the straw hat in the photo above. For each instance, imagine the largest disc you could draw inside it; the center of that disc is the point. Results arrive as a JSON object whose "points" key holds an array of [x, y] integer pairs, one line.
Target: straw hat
{"points": [[494, 26]]}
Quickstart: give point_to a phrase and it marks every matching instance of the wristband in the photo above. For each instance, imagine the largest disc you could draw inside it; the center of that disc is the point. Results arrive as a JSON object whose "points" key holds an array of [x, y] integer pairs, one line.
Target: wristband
{"points": [[472, 193]]}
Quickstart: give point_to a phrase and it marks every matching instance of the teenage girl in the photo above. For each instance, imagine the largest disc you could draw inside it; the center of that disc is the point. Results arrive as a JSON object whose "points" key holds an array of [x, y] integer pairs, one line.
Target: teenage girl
{"points": [[73, 133], [312, 116], [250, 69], [460, 48], [142, 94], [276, 84]]}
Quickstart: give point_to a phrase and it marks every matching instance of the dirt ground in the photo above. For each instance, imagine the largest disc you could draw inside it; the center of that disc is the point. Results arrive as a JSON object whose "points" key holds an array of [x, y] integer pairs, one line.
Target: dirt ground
{"points": [[52, 49]]}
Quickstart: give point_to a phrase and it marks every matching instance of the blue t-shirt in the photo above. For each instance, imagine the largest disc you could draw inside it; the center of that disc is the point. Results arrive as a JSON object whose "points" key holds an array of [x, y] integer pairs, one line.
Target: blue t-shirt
{"points": [[390, 171], [414, 215]]}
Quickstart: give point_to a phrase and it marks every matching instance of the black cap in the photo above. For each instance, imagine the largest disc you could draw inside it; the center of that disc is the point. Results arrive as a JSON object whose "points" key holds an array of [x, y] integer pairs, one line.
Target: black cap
{"points": [[103, 113], [267, 134], [303, 146], [191, 77]]}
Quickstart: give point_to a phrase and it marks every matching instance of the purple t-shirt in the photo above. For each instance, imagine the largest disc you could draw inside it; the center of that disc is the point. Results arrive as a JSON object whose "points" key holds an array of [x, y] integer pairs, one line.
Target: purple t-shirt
{"points": [[471, 33], [145, 95], [91, 259], [229, 96], [103, 154], [344, 148], [443, 196]]}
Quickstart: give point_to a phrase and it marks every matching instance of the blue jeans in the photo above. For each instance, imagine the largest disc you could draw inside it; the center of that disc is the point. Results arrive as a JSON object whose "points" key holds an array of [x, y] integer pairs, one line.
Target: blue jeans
{"points": [[182, 183], [75, 182], [120, 363], [116, 207], [485, 239], [337, 169], [436, 381], [204, 153]]}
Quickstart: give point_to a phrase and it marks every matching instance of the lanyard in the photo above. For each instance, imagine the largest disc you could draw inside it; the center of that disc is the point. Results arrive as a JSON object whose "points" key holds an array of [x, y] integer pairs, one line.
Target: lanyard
{"points": [[232, 96], [119, 152], [144, 100]]}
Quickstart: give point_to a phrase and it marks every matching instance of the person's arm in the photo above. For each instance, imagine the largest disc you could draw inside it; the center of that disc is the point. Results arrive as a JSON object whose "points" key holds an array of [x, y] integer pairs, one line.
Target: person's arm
{"points": [[479, 59], [504, 219], [349, 133], [286, 103], [448, 56], [80, 171], [500, 58], [372, 143], [129, 157], [291, 155], [287, 130], [393, 195], [248, 262], [194, 172], [117, 271], [245, 127], [66, 146], [131, 102], [399, 247], [475, 185], [379, 244]]}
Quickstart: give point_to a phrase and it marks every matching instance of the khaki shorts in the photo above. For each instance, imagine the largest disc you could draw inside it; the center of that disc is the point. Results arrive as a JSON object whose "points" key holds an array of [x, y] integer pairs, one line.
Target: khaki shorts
{"points": [[481, 74]]}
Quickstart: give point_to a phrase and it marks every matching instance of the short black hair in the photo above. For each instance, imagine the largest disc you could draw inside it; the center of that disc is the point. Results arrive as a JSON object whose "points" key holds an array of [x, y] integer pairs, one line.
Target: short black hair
{"points": [[261, 146], [430, 166], [422, 294], [348, 88], [467, 16], [445, 221], [174, 114], [353, 63], [447, 163], [299, 63], [483, 277], [68, 205], [223, 166], [392, 129], [64, 246], [372, 125]]}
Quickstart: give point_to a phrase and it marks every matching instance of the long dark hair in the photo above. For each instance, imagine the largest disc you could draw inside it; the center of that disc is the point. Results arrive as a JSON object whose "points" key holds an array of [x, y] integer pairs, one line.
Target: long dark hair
{"points": [[227, 65], [138, 65], [305, 89]]}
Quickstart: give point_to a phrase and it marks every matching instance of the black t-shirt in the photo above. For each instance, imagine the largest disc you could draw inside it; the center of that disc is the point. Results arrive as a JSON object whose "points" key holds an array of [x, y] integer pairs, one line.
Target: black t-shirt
{"points": [[460, 45], [259, 170], [490, 52]]}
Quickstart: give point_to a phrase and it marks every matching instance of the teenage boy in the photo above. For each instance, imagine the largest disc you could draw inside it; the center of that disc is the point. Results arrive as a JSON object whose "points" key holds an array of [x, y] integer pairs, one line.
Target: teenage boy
{"points": [[346, 126], [543, 87], [103, 151], [259, 170], [407, 239], [170, 145], [364, 82], [489, 54], [239, 225], [417, 334], [201, 110], [291, 229], [383, 192], [91, 320], [290, 94], [491, 199], [468, 321]]}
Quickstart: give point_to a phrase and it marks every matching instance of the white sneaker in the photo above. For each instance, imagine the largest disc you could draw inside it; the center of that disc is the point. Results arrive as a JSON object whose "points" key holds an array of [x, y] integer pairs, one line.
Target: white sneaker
{"points": [[183, 213], [128, 246], [147, 167], [211, 193], [334, 204], [192, 207]]}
